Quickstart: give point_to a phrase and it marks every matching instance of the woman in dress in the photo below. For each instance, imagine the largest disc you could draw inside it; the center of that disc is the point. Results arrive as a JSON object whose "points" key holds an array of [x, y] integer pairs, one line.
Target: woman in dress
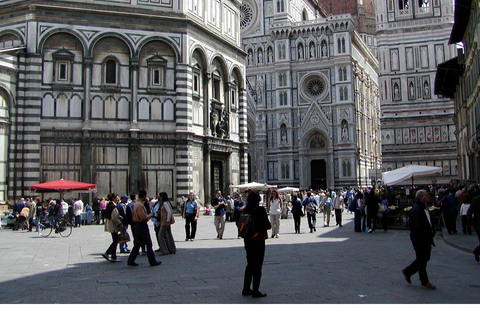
{"points": [[165, 237]]}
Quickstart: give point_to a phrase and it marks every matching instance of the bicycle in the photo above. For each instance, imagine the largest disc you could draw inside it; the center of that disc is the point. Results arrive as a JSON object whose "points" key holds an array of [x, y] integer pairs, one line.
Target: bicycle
{"points": [[64, 227]]}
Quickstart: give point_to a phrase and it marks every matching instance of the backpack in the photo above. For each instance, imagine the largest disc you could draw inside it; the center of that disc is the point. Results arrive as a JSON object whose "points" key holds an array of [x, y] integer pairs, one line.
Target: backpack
{"points": [[311, 207], [246, 227]]}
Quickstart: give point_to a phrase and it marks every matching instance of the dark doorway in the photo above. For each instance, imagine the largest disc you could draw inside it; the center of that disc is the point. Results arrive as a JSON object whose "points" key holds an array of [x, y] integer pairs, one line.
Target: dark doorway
{"points": [[217, 177], [318, 169]]}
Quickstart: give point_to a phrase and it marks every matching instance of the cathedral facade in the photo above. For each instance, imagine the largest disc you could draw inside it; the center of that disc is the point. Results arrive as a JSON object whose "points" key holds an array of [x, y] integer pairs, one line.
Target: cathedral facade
{"points": [[312, 95], [417, 126], [126, 94]]}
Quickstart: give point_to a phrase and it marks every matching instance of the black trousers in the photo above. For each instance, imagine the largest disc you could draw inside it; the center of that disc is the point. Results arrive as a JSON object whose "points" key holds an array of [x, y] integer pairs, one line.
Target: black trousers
{"points": [[357, 221], [113, 247], [338, 216], [255, 250], [372, 221], [423, 251], [312, 220], [296, 222], [141, 236], [477, 249], [190, 222]]}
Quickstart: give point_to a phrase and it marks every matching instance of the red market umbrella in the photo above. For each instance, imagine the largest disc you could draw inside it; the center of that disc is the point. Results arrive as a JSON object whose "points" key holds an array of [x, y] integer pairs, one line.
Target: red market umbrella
{"points": [[64, 186]]}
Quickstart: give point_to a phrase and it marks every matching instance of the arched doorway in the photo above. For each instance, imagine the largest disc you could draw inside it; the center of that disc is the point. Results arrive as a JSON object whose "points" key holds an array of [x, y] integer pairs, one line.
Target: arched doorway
{"points": [[318, 169]]}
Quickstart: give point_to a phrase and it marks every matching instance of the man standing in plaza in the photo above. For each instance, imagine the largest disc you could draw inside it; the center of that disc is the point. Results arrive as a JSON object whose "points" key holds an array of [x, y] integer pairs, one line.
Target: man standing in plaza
{"points": [[421, 234], [219, 204], [142, 234], [122, 210]]}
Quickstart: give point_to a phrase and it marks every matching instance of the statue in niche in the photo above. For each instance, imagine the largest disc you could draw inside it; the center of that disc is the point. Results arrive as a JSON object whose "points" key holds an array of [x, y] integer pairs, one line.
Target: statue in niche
{"points": [[222, 126], [324, 49], [396, 91], [283, 134], [312, 50], [426, 89], [411, 90], [250, 58], [260, 56], [214, 122], [300, 53], [270, 54], [344, 130]]}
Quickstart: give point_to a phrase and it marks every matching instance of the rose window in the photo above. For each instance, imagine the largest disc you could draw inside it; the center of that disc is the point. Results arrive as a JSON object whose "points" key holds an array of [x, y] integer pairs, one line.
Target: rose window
{"points": [[315, 87], [246, 15]]}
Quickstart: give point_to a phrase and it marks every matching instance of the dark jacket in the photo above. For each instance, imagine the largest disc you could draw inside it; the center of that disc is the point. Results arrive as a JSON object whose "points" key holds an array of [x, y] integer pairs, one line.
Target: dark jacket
{"points": [[297, 208], [260, 218], [474, 213], [420, 229]]}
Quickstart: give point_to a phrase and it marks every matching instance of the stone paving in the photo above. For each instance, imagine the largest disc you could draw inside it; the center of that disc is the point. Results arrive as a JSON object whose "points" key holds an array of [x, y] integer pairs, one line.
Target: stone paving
{"points": [[332, 266]]}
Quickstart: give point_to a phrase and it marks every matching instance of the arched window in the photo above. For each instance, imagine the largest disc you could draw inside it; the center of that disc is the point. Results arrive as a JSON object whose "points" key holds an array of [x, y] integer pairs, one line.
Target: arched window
{"points": [[280, 5], [347, 169], [282, 79], [110, 72]]}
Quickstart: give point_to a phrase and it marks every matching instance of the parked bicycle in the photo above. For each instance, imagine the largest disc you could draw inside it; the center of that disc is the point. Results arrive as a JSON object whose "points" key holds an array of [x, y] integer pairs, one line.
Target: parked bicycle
{"points": [[63, 227]]}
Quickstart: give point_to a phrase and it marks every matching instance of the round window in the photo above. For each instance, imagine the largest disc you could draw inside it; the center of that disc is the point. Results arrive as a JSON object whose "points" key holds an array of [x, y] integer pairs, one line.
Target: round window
{"points": [[315, 87], [246, 15]]}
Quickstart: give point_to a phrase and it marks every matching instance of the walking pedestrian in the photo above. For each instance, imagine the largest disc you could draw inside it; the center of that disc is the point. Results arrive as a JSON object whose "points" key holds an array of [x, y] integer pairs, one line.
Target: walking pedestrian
{"points": [[122, 209], [297, 212], [113, 225], [219, 204], [191, 211], [165, 237], [255, 246], [421, 235], [464, 215], [274, 208], [142, 234], [338, 205], [474, 220], [310, 206]]}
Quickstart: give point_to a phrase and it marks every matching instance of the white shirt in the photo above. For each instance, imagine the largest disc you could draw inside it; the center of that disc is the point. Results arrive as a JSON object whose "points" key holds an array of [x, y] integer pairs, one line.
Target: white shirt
{"points": [[275, 207]]}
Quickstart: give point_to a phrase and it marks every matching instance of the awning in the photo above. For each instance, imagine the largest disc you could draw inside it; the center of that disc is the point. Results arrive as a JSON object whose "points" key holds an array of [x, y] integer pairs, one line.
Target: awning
{"points": [[462, 16], [446, 78]]}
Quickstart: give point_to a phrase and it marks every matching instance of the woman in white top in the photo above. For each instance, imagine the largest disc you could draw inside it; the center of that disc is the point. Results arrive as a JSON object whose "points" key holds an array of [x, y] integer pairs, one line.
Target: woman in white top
{"points": [[463, 215], [274, 207]]}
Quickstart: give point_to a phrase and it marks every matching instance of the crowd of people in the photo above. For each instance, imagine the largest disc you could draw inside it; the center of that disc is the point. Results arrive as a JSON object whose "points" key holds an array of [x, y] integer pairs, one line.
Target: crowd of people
{"points": [[125, 215]]}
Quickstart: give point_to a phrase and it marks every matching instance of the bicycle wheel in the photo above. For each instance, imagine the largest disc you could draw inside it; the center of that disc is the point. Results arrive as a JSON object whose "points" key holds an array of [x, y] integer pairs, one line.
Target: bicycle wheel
{"points": [[65, 228], [45, 229]]}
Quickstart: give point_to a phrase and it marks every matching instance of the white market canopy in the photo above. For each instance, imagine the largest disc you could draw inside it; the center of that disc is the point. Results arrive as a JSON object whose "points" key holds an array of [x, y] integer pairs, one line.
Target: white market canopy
{"points": [[288, 189], [399, 175], [253, 186]]}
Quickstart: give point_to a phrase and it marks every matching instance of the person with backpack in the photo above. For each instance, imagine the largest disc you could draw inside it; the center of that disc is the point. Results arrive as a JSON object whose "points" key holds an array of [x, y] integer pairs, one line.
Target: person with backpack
{"points": [[255, 245], [310, 206]]}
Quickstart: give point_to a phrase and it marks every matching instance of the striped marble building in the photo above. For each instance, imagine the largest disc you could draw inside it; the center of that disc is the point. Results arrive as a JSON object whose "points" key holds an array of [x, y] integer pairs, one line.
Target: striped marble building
{"points": [[127, 94]]}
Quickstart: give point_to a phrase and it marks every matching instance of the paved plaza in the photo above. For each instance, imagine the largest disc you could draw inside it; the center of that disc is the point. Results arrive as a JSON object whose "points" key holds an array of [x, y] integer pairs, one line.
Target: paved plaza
{"points": [[332, 266]]}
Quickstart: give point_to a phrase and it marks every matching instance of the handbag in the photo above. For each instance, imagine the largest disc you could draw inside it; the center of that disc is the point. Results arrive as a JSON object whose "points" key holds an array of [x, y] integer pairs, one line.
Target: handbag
{"points": [[123, 236]]}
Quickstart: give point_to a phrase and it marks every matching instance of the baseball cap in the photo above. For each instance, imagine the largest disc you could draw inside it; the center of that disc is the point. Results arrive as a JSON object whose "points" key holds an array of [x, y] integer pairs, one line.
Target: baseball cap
{"points": [[124, 197]]}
